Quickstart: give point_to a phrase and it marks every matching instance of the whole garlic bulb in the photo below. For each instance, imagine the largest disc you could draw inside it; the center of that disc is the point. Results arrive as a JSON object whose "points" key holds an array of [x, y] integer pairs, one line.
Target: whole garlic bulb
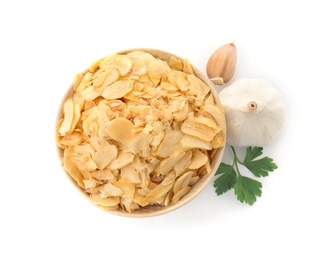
{"points": [[254, 110]]}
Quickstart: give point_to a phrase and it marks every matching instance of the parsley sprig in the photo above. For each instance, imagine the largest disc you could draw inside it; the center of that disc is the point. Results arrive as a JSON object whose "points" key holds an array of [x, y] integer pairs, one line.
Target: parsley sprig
{"points": [[246, 189]]}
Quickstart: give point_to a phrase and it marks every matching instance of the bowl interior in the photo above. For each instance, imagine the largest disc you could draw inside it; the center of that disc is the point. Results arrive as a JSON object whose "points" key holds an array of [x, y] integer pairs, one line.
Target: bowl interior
{"points": [[154, 210]]}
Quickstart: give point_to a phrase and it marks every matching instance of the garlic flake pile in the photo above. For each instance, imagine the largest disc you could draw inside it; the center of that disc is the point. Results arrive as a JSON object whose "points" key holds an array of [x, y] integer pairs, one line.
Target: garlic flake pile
{"points": [[254, 110]]}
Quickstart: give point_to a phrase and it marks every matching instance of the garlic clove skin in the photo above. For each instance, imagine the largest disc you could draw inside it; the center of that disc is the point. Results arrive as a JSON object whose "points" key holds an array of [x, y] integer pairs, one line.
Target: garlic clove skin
{"points": [[221, 65], [255, 112]]}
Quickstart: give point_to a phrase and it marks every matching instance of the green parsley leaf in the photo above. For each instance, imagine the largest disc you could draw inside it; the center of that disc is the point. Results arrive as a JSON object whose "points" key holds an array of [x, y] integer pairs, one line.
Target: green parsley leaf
{"points": [[259, 167], [227, 180], [247, 189], [252, 153]]}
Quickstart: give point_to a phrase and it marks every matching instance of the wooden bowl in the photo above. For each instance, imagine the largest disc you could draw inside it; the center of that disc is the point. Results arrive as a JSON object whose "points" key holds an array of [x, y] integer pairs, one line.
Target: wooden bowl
{"points": [[155, 210]]}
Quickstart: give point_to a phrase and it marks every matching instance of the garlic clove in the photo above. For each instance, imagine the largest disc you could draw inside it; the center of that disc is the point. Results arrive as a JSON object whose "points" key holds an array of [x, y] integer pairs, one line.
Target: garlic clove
{"points": [[255, 112], [221, 65]]}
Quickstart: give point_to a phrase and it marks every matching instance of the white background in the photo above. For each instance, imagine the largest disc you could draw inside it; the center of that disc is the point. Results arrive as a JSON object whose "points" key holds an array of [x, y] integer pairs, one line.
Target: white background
{"points": [[45, 43]]}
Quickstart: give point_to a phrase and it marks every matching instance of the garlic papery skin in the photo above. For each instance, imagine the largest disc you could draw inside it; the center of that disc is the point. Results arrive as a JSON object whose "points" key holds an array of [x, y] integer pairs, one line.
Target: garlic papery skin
{"points": [[254, 110]]}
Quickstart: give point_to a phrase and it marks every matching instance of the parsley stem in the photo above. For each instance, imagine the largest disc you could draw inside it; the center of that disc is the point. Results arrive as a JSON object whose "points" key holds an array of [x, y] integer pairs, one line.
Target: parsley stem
{"points": [[235, 160]]}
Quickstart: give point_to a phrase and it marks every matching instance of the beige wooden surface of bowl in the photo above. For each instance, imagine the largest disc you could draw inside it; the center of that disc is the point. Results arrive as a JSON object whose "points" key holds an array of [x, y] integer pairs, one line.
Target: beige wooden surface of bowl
{"points": [[155, 210]]}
